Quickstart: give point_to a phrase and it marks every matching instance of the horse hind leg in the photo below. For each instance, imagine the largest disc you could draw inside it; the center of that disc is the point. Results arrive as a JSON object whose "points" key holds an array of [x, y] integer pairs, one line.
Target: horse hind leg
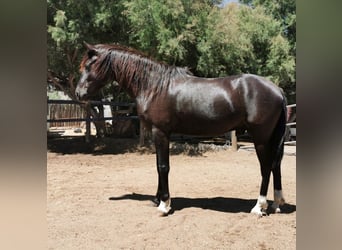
{"points": [[269, 163], [277, 144], [264, 155], [269, 146], [278, 200], [278, 193]]}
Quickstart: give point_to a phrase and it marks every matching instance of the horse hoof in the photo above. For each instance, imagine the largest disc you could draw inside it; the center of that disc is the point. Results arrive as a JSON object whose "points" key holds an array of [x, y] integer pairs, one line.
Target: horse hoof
{"points": [[164, 207], [155, 202], [259, 212], [260, 207], [275, 207], [277, 210]]}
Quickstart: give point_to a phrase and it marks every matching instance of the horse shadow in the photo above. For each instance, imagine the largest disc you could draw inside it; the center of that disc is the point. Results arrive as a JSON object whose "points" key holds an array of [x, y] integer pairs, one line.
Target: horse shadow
{"points": [[220, 204], [112, 146]]}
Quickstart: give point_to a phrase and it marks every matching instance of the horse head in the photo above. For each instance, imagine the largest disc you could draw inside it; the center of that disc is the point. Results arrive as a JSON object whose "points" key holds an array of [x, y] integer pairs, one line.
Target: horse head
{"points": [[92, 78]]}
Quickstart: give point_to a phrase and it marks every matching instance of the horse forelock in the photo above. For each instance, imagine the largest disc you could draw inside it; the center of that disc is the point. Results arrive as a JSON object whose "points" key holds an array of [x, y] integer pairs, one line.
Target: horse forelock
{"points": [[83, 62]]}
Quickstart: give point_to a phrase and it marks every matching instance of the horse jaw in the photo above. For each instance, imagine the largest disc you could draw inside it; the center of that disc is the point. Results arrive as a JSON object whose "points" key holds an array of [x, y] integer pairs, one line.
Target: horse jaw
{"points": [[164, 207]]}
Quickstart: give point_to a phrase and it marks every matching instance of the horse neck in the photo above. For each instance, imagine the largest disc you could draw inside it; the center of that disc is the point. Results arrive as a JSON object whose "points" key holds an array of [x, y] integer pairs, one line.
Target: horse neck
{"points": [[140, 76], [131, 88]]}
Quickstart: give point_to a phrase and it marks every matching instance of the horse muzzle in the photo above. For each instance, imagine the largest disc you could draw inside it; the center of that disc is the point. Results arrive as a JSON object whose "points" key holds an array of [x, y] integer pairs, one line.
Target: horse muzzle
{"points": [[81, 93]]}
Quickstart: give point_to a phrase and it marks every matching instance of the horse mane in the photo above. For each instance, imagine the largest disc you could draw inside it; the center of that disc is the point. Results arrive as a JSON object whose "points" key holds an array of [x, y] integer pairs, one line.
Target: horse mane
{"points": [[133, 67]]}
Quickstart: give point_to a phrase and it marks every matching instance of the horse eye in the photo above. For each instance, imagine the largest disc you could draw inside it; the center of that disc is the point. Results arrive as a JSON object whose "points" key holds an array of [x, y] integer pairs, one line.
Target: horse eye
{"points": [[87, 66]]}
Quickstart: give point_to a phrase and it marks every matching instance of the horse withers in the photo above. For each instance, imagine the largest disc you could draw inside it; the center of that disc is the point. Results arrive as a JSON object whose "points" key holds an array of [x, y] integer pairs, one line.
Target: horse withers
{"points": [[171, 100]]}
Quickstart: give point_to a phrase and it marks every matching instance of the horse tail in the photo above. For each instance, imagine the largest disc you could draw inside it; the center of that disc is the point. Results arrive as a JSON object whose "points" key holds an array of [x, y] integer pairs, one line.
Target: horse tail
{"points": [[278, 136]]}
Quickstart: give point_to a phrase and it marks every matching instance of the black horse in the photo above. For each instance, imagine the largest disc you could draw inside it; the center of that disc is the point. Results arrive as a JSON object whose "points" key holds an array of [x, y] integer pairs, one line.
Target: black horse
{"points": [[171, 100]]}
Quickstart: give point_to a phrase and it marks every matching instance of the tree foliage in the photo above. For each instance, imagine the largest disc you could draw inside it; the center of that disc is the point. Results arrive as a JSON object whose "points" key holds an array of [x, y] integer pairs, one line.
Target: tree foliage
{"points": [[169, 29], [240, 39], [255, 37], [72, 22], [285, 12]]}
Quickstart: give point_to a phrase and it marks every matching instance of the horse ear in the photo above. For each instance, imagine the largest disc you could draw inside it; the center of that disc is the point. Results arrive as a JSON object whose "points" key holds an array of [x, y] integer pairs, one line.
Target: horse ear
{"points": [[91, 50], [88, 46]]}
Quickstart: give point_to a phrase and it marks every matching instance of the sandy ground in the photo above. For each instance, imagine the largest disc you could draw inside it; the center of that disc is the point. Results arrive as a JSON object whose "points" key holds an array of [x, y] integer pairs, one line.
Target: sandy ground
{"points": [[100, 198]]}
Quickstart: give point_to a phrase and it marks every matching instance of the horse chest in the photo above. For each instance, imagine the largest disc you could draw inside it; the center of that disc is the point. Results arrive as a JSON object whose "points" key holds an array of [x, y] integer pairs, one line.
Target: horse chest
{"points": [[156, 112]]}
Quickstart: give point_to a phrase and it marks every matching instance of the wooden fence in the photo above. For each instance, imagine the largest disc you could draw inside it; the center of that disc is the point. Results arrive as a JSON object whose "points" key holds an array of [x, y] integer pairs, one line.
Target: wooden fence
{"points": [[58, 113], [64, 115], [292, 122]]}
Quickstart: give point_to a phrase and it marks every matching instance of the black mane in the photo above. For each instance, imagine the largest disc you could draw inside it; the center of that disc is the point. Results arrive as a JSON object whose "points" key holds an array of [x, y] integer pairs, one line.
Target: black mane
{"points": [[132, 67]]}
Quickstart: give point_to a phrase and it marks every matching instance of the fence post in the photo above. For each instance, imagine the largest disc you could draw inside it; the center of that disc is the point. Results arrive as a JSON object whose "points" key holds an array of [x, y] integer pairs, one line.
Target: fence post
{"points": [[47, 114], [87, 135], [234, 140]]}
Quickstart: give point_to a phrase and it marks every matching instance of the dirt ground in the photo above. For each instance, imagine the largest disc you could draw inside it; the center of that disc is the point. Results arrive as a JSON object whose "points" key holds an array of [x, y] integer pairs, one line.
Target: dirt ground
{"points": [[99, 197]]}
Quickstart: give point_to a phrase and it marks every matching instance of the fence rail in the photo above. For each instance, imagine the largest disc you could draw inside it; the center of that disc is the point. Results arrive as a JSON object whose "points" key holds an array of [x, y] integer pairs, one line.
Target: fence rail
{"points": [[91, 119], [83, 115], [289, 124], [123, 104], [291, 106]]}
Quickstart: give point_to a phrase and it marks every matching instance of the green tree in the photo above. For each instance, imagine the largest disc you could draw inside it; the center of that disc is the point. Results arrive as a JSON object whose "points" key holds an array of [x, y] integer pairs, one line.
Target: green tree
{"points": [[255, 38], [241, 39], [72, 22], [169, 29], [283, 11], [69, 24]]}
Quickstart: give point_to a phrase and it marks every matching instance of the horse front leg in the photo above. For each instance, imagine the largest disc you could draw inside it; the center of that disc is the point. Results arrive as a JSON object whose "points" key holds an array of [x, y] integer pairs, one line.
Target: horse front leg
{"points": [[161, 141]]}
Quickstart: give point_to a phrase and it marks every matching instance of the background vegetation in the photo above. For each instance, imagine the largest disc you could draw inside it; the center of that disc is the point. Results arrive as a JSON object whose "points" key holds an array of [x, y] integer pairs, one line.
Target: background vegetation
{"points": [[252, 36]]}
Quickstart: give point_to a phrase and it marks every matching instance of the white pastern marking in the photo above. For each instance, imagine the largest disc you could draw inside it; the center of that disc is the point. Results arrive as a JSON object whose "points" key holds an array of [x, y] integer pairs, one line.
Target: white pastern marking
{"points": [[164, 207], [260, 207], [278, 201]]}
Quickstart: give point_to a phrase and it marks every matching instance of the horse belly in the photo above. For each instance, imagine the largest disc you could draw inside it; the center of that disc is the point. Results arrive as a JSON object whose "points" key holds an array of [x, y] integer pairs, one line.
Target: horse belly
{"points": [[193, 124], [206, 111]]}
